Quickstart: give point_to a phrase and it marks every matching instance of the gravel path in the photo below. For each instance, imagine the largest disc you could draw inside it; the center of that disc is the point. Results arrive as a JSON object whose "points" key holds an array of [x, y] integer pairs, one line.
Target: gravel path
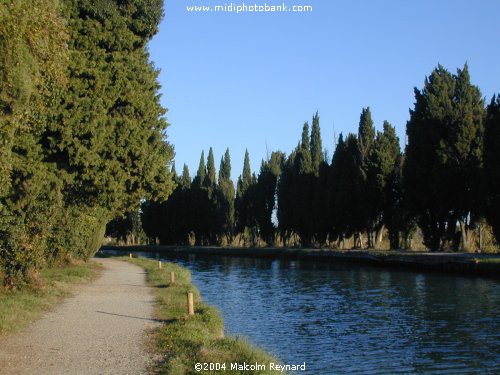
{"points": [[101, 330]]}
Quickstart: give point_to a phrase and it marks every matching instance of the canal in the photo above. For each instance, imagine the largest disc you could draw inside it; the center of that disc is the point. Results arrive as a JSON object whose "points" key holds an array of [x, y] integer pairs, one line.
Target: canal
{"points": [[342, 318]]}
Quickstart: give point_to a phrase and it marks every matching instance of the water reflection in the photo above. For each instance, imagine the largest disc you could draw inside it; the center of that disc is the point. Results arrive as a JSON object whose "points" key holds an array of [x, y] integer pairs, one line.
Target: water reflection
{"points": [[355, 319]]}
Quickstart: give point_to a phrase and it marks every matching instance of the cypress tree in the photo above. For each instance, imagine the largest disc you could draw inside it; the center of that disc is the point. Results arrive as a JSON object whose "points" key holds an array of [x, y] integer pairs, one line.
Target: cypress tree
{"points": [[334, 203], [242, 201], [398, 218], [185, 178], [316, 145], [225, 166], [33, 38], [210, 177], [265, 195], [119, 155], [348, 189], [286, 206], [381, 164], [303, 160], [226, 197], [492, 165], [202, 171], [246, 176], [444, 157], [173, 172], [295, 192], [366, 140], [366, 132]]}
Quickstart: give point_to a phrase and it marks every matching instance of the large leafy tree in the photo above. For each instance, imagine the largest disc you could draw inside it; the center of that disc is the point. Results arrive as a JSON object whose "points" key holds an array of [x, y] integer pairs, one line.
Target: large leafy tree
{"points": [[444, 157]]}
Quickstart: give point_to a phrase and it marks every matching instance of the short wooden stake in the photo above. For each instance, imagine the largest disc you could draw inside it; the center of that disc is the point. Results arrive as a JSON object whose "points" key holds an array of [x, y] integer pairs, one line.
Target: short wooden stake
{"points": [[172, 277], [130, 255], [159, 264], [190, 304]]}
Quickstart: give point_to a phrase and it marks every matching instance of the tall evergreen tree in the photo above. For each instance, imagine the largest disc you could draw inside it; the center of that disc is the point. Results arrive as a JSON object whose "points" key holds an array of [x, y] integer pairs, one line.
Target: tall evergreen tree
{"points": [[444, 157], [295, 192], [33, 39], [265, 195], [201, 173], [334, 216], [492, 165], [185, 178], [348, 180], [366, 132], [210, 177], [381, 164], [226, 197], [225, 166], [242, 200], [246, 176], [398, 218], [367, 206], [316, 145]]}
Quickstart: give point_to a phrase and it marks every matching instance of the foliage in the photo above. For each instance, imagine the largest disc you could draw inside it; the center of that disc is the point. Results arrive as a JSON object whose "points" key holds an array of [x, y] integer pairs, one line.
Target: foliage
{"points": [[82, 132], [443, 167], [492, 165]]}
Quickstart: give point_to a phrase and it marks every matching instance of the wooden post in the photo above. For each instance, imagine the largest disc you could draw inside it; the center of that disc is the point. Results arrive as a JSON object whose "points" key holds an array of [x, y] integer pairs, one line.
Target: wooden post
{"points": [[172, 277], [159, 264], [130, 255], [190, 304]]}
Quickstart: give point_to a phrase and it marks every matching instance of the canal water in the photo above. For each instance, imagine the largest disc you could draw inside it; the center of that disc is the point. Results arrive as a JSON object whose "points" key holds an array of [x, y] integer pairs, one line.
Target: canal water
{"points": [[341, 318]]}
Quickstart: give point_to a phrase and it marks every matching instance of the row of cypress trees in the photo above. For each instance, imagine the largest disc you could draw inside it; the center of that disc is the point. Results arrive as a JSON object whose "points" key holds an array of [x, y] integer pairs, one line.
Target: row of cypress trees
{"points": [[446, 182], [81, 127]]}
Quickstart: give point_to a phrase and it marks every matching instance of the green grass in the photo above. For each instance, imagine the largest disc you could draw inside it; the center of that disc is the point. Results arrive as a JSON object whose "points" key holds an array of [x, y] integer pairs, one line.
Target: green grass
{"points": [[487, 260], [18, 308], [184, 341]]}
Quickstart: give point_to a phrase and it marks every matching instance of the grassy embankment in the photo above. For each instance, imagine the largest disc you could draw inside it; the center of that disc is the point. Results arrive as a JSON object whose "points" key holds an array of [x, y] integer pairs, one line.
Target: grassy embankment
{"points": [[184, 341], [18, 308]]}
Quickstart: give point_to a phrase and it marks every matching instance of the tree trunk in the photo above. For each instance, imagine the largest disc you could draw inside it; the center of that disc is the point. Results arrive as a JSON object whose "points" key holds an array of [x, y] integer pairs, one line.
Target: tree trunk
{"points": [[379, 235], [369, 237], [480, 235], [466, 236]]}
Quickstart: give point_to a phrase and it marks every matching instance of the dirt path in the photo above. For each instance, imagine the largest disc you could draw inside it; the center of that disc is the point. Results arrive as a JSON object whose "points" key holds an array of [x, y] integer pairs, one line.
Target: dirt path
{"points": [[101, 330]]}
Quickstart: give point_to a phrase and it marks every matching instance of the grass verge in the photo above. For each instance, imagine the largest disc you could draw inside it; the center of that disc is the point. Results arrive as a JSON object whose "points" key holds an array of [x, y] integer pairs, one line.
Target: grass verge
{"points": [[18, 308], [184, 341]]}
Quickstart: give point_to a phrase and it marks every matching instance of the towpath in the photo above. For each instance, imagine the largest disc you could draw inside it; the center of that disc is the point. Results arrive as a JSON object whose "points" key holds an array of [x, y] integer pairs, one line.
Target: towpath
{"points": [[102, 329]]}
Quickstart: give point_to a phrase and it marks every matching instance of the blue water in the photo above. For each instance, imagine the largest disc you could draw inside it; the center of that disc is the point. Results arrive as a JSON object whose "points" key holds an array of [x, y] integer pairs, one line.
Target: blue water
{"points": [[355, 319]]}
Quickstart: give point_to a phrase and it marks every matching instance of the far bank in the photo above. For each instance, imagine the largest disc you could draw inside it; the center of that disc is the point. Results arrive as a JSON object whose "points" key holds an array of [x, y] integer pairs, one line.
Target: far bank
{"points": [[459, 263]]}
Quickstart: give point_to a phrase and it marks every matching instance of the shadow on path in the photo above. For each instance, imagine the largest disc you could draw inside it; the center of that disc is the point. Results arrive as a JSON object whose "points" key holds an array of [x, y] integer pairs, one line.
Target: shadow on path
{"points": [[137, 317]]}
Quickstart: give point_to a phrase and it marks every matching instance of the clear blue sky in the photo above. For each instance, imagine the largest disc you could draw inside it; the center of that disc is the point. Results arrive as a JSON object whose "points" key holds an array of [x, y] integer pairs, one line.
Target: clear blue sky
{"points": [[251, 79]]}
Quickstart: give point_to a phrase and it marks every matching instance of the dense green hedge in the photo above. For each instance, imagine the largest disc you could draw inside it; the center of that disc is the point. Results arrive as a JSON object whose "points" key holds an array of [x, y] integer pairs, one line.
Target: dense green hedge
{"points": [[81, 126]]}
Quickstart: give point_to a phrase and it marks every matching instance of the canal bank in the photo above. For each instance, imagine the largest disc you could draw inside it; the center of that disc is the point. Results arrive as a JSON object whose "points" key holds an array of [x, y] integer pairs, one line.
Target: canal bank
{"points": [[192, 344], [341, 317], [460, 263]]}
